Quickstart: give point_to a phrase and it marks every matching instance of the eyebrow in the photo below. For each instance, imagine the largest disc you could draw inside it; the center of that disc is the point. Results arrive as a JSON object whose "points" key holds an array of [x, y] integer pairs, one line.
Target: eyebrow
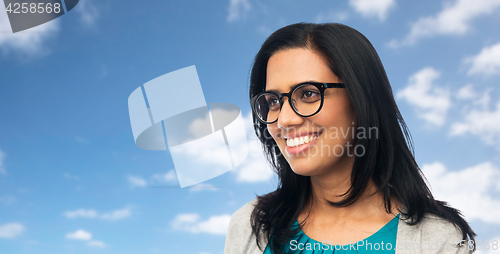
{"points": [[293, 85]]}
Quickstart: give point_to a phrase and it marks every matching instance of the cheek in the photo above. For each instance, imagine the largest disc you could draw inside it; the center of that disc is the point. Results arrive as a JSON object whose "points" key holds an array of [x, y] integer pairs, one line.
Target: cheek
{"points": [[329, 116], [336, 120], [337, 112]]}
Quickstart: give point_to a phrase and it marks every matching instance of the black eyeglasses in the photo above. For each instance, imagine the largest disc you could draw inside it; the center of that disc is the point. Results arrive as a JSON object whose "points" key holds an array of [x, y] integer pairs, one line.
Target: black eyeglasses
{"points": [[306, 99]]}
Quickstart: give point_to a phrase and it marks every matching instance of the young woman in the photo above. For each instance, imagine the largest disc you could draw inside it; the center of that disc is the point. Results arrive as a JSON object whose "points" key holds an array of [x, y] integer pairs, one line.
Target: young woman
{"points": [[324, 111]]}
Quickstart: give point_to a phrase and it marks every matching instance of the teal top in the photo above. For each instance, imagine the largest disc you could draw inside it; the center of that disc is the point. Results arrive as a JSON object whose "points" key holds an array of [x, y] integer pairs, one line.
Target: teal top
{"points": [[382, 241]]}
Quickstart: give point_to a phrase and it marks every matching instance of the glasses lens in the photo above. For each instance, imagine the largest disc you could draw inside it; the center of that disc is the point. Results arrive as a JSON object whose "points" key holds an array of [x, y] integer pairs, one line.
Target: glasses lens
{"points": [[267, 107], [307, 99]]}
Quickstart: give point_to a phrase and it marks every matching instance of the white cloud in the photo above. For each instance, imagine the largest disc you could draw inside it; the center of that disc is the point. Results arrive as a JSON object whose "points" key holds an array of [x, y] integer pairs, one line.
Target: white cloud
{"points": [[2, 157], [69, 176], [331, 16], [205, 152], [480, 118], [215, 224], [205, 158], [430, 101], [8, 200], [469, 190], [11, 230], [487, 62], [484, 245], [83, 235], [191, 223], [89, 13], [117, 215], [93, 214], [98, 244], [480, 121], [82, 213], [469, 97], [454, 19], [136, 181], [79, 235], [265, 30], [255, 168], [238, 9], [198, 127], [466, 92], [169, 177], [203, 187], [373, 8], [185, 218], [208, 156], [30, 42]]}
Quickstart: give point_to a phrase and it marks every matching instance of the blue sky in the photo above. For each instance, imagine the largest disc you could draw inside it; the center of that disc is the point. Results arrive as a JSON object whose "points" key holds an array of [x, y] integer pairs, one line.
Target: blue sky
{"points": [[72, 179]]}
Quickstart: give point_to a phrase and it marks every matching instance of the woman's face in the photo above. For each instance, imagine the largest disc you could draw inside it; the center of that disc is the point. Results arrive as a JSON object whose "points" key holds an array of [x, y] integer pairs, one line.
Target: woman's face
{"points": [[331, 130]]}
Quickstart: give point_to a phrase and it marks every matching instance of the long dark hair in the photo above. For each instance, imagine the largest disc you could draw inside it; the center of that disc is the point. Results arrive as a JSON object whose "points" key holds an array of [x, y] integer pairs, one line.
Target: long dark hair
{"points": [[389, 159]]}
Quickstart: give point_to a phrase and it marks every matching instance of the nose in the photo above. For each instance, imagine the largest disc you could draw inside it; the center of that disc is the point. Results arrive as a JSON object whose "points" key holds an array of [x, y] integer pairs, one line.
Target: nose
{"points": [[287, 116]]}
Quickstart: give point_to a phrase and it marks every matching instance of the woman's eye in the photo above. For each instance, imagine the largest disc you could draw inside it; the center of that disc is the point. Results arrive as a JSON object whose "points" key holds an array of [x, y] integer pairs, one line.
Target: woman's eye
{"points": [[309, 94], [273, 102]]}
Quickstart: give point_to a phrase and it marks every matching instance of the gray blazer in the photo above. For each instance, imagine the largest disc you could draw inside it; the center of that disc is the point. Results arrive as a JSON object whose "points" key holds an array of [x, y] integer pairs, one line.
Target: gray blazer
{"points": [[431, 235]]}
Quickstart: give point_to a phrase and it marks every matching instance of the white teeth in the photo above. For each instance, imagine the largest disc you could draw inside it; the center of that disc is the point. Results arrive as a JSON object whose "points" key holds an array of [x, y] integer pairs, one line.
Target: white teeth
{"points": [[300, 141]]}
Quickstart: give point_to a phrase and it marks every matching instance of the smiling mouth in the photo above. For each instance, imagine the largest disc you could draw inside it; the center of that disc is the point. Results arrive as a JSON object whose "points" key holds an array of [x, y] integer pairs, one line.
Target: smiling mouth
{"points": [[298, 141]]}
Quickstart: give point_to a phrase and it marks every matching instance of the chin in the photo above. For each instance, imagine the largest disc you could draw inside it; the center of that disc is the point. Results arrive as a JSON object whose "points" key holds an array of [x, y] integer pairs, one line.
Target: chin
{"points": [[303, 168], [302, 172]]}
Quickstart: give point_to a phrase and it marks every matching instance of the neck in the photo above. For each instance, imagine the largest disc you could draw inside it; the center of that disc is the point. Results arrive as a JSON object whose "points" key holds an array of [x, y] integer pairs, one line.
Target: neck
{"points": [[331, 187]]}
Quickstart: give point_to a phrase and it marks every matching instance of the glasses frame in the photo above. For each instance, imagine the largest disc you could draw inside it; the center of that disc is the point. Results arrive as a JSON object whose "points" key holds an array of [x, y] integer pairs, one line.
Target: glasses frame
{"points": [[321, 87]]}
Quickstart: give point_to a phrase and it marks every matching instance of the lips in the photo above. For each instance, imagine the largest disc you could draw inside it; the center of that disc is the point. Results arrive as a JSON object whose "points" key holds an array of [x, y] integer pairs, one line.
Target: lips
{"points": [[297, 141], [300, 142]]}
